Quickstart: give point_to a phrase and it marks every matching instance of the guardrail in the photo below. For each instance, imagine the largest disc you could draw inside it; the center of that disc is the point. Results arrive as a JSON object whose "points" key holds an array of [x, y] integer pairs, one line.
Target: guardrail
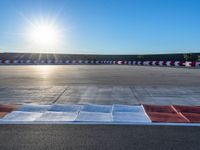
{"points": [[99, 62]]}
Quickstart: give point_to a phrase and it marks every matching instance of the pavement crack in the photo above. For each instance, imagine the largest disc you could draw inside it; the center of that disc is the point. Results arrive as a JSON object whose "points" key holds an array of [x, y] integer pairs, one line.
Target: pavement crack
{"points": [[55, 101], [133, 89]]}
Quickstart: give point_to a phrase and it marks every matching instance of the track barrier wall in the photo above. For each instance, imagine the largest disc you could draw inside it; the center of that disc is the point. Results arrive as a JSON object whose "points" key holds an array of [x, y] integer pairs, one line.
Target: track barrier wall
{"points": [[190, 64]]}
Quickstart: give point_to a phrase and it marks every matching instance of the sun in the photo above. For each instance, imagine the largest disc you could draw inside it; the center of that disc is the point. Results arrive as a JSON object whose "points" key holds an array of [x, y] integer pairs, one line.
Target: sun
{"points": [[44, 34]]}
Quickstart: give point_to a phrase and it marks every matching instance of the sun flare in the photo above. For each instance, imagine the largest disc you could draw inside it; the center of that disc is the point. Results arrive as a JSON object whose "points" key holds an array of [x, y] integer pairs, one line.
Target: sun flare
{"points": [[44, 34]]}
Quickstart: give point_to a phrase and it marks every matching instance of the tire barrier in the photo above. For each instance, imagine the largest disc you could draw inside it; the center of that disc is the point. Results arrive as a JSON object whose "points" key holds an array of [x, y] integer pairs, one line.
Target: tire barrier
{"points": [[192, 64], [117, 113]]}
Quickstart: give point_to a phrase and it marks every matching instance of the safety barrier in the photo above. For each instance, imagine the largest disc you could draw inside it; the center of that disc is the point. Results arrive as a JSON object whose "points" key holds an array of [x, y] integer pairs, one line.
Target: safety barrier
{"points": [[98, 62], [198, 64]]}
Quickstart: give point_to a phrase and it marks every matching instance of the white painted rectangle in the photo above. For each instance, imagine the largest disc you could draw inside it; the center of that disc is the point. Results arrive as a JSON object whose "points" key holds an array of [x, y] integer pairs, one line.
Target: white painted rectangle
{"points": [[57, 116], [65, 108], [34, 108], [22, 116], [94, 117], [127, 108], [130, 117], [97, 108]]}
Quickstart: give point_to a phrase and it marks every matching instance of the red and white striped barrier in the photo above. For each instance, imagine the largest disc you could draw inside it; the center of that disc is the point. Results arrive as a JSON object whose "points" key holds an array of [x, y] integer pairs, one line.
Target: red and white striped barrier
{"points": [[120, 62], [160, 63], [168, 63], [198, 64], [190, 64], [109, 62], [146, 63]]}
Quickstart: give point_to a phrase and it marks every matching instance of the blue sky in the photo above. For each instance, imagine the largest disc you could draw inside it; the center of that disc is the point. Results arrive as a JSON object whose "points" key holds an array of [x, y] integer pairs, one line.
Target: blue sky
{"points": [[104, 26]]}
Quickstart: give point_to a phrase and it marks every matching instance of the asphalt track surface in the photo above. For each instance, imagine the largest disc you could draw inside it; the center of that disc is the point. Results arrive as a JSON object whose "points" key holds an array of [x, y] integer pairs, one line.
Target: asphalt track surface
{"points": [[98, 75], [99, 84], [98, 137]]}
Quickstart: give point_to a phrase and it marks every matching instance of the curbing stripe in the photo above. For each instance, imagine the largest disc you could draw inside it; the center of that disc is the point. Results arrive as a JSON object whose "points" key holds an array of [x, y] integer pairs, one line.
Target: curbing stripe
{"points": [[92, 113]]}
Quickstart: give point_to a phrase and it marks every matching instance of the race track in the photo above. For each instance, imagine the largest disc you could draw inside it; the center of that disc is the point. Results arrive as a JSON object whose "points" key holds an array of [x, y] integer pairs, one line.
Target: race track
{"points": [[99, 84]]}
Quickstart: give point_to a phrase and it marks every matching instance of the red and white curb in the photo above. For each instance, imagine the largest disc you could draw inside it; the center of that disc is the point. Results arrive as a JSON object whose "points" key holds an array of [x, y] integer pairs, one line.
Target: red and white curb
{"points": [[108, 62], [101, 114]]}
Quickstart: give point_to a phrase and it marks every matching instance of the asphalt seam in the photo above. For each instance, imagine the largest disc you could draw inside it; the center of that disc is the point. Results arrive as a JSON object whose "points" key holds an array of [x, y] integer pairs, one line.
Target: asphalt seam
{"points": [[60, 95], [135, 94]]}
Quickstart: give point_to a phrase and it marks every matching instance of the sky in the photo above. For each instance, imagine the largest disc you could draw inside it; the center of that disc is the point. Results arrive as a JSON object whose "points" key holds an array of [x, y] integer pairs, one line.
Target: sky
{"points": [[102, 26]]}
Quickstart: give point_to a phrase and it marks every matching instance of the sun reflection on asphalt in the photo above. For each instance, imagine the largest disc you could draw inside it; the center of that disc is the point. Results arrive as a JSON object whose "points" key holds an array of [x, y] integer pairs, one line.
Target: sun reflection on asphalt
{"points": [[45, 70]]}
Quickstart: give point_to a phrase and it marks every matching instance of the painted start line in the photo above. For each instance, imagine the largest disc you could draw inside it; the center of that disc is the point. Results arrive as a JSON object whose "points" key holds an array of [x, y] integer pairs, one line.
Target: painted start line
{"points": [[100, 114]]}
